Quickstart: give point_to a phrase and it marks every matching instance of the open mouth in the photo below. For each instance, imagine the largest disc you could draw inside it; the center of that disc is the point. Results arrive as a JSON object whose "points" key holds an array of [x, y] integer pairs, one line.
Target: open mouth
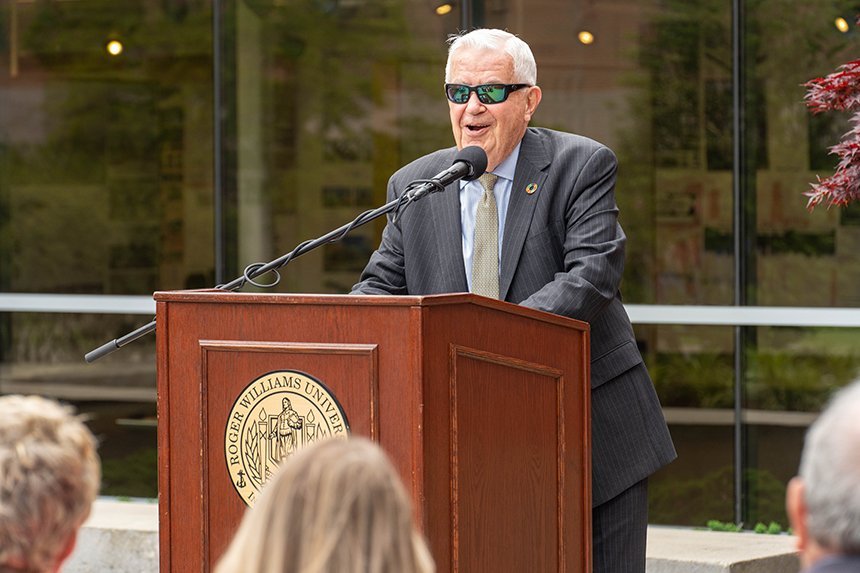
{"points": [[475, 128]]}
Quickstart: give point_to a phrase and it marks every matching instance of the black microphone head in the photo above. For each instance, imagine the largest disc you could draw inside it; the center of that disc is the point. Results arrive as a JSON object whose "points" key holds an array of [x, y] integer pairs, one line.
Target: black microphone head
{"points": [[475, 158]]}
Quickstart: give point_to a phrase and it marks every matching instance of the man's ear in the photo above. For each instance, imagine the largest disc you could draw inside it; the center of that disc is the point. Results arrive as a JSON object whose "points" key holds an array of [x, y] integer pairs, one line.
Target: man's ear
{"points": [[795, 505], [533, 98]]}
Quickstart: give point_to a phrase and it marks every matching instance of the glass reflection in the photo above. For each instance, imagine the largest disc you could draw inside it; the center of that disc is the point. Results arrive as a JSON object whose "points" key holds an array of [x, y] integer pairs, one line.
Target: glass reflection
{"points": [[692, 369], [105, 155], [331, 99], [42, 354], [801, 258], [792, 373]]}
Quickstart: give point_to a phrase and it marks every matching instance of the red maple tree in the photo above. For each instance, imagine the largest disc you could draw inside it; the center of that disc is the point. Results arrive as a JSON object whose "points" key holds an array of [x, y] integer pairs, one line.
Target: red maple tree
{"points": [[839, 91]]}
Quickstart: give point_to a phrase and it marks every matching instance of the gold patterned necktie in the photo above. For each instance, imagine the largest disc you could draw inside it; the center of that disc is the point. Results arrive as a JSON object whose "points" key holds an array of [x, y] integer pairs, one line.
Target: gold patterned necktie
{"points": [[485, 253]]}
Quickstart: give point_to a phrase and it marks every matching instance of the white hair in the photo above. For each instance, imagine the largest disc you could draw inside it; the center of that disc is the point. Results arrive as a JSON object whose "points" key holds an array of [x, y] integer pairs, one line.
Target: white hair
{"points": [[49, 477], [525, 68], [830, 469]]}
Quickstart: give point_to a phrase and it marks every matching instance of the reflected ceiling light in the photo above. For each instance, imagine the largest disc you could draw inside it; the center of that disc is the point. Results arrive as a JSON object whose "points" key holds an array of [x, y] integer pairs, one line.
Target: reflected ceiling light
{"points": [[114, 47], [841, 24], [585, 37], [444, 8]]}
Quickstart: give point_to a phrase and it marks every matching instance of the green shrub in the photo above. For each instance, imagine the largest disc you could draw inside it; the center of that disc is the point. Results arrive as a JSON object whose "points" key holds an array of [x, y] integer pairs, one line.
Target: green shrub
{"points": [[716, 525]]}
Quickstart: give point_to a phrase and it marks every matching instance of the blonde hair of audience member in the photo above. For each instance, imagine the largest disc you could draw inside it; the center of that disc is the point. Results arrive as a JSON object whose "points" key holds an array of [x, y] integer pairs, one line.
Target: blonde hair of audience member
{"points": [[49, 477], [823, 502], [334, 507]]}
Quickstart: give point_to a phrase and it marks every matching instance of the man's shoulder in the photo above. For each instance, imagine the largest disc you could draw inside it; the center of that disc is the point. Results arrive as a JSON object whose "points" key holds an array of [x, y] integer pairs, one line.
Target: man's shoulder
{"points": [[427, 165], [560, 140], [543, 147]]}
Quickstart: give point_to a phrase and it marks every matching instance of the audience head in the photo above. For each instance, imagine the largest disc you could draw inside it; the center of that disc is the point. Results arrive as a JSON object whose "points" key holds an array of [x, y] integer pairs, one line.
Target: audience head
{"points": [[49, 477], [824, 500], [334, 507]]}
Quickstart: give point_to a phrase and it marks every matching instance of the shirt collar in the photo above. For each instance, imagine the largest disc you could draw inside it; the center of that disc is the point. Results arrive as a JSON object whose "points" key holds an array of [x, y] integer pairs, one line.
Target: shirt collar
{"points": [[506, 168]]}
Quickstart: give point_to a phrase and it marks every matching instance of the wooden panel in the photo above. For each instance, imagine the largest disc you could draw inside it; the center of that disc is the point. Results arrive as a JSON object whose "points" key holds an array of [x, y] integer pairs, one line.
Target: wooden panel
{"points": [[506, 477], [164, 447], [349, 371], [389, 362], [531, 352]]}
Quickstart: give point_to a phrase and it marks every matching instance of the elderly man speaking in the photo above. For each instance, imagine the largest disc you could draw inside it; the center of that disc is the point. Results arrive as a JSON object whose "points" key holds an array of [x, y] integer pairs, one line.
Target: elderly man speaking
{"points": [[539, 229]]}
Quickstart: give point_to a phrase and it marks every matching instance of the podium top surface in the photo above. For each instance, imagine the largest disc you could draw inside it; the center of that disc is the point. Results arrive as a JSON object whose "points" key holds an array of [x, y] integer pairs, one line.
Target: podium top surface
{"points": [[224, 297]]}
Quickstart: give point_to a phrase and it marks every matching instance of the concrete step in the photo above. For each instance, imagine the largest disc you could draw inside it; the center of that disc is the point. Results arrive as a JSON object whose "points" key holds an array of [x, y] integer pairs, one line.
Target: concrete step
{"points": [[122, 537], [683, 550], [118, 537]]}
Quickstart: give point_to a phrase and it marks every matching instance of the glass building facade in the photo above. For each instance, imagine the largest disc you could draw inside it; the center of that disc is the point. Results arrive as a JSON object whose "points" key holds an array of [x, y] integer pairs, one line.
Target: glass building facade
{"points": [[166, 144]]}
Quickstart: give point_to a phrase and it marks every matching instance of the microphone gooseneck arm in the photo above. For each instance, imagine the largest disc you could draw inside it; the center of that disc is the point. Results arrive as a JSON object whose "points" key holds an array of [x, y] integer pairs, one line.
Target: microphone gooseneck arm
{"points": [[467, 165], [255, 270]]}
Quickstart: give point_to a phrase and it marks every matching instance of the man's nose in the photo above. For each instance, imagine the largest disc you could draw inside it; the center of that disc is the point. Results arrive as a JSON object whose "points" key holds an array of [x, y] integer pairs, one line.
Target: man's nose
{"points": [[474, 105]]}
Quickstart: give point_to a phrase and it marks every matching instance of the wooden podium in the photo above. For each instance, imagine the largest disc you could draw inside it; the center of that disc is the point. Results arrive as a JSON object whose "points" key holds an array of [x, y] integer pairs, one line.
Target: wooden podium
{"points": [[483, 407]]}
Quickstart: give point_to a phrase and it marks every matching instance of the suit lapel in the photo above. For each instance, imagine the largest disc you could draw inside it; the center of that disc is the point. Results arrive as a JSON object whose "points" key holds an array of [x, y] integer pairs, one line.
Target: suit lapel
{"points": [[529, 173]]}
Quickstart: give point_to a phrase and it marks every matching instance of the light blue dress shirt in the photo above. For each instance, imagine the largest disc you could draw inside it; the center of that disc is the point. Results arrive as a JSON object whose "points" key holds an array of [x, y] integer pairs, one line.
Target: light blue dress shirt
{"points": [[470, 195]]}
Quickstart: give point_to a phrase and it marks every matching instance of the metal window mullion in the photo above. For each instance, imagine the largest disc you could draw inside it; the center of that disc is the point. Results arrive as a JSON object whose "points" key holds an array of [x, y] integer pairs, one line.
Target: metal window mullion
{"points": [[466, 15], [217, 147], [740, 239]]}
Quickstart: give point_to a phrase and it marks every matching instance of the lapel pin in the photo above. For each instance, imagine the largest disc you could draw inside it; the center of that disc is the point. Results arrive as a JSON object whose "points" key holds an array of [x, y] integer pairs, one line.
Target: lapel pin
{"points": [[531, 188]]}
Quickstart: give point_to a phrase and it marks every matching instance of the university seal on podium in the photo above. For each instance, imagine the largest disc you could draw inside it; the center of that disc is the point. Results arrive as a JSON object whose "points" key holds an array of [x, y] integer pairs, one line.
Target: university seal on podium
{"points": [[274, 416]]}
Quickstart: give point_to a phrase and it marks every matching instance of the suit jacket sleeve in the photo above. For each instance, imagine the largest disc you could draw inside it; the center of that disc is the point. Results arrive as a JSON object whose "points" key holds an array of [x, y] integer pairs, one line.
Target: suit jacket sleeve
{"points": [[385, 271], [593, 244]]}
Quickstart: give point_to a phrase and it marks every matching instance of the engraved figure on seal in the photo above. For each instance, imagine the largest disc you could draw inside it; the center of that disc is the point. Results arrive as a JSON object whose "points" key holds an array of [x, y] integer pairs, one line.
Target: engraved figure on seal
{"points": [[288, 422]]}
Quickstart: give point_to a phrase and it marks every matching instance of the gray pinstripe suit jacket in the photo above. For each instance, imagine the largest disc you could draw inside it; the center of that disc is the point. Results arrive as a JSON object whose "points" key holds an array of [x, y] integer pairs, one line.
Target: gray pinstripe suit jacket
{"points": [[562, 252]]}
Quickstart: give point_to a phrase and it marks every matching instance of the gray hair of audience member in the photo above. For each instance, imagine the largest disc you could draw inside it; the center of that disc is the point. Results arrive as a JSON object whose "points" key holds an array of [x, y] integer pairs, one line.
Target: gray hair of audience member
{"points": [[525, 68], [335, 507], [49, 477], [830, 470]]}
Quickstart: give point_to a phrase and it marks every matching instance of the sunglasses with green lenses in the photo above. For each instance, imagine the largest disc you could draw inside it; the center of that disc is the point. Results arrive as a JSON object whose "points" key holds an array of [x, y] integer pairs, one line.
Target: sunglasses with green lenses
{"points": [[487, 93]]}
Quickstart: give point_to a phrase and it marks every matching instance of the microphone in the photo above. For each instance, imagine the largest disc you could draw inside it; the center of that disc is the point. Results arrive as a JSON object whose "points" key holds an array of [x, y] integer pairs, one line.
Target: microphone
{"points": [[469, 164]]}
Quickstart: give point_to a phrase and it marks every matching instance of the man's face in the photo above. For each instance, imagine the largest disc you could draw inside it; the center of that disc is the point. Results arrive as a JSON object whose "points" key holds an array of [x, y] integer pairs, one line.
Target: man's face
{"points": [[496, 128]]}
